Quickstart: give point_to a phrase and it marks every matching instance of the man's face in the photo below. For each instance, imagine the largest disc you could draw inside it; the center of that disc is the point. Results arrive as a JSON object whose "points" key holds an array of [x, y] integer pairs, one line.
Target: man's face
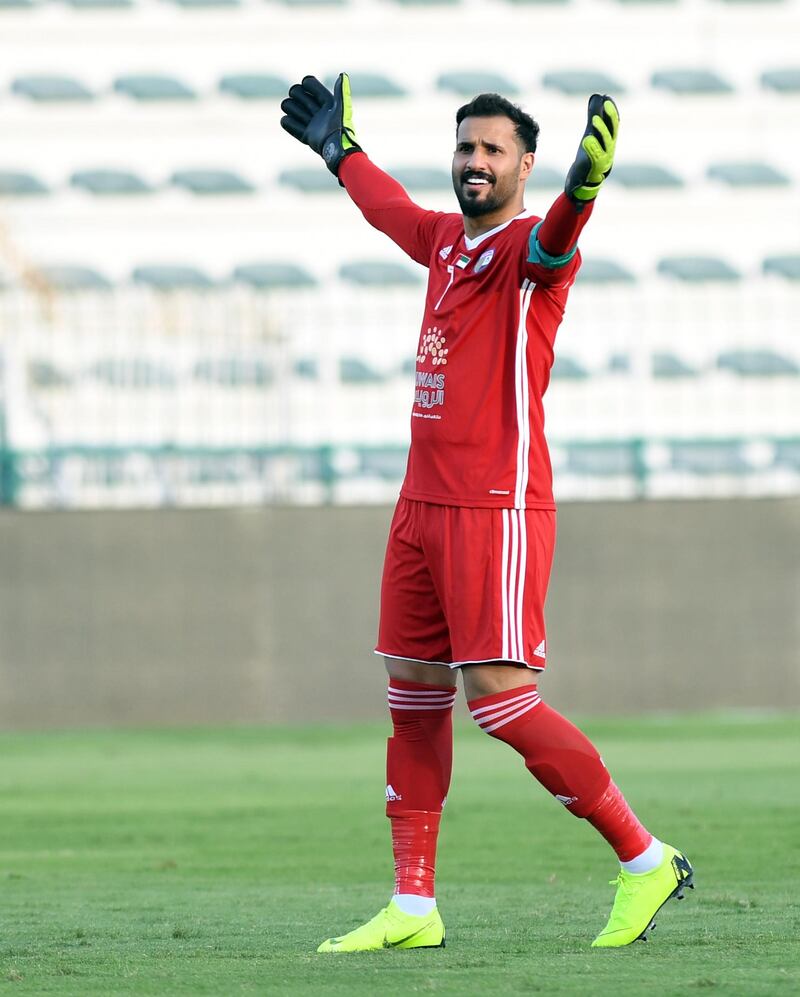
{"points": [[488, 165]]}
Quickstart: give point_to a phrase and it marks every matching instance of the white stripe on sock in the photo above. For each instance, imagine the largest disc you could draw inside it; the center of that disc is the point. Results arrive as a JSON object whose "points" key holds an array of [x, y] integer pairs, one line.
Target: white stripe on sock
{"points": [[513, 716], [500, 713], [505, 702]]}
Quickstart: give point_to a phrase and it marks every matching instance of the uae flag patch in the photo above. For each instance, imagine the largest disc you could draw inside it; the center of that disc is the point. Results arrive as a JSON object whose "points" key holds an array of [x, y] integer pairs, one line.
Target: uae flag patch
{"points": [[462, 262]]}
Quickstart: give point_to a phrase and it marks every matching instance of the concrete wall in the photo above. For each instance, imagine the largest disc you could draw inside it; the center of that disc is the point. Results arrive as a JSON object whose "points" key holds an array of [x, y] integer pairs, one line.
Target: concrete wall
{"points": [[269, 614]]}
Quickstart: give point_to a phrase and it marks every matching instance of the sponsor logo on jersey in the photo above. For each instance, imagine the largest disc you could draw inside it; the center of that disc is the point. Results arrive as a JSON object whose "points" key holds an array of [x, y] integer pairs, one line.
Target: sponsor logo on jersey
{"points": [[430, 387], [566, 800], [499, 491], [463, 262], [445, 252], [391, 796], [484, 260], [432, 344], [540, 651]]}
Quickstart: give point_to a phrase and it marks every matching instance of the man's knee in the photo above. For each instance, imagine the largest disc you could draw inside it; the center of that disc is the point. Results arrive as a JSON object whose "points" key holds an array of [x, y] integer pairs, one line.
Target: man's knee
{"points": [[419, 671], [486, 680]]}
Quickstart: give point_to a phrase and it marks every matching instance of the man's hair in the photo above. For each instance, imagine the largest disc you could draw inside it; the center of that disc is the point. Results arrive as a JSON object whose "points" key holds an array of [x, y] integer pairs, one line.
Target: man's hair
{"points": [[488, 105]]}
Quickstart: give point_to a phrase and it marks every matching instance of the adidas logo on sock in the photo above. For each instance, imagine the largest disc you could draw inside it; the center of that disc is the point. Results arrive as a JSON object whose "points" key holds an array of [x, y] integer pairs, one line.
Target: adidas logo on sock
{"points": [[391, 796]]}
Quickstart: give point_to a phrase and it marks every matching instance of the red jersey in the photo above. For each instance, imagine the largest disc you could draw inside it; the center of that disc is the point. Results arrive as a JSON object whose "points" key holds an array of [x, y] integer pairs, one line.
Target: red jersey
{"points": [[485, 350]]}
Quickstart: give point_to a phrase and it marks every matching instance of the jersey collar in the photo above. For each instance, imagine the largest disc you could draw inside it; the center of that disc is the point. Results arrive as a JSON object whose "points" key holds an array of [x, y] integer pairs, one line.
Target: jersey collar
{"points": [[474, 243]]}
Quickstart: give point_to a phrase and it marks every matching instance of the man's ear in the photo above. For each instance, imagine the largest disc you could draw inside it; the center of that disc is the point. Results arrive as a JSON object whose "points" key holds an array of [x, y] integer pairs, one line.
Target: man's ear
{"points": [[526, 165]]}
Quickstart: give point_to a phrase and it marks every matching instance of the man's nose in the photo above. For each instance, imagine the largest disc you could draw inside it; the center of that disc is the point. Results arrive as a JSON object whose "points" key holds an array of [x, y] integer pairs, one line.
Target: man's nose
{"points": [[477, 161]]}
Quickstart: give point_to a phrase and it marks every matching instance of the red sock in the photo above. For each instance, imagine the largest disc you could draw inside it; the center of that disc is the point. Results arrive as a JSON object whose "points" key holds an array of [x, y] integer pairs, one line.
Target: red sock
{"points": [[564, 761], [618, 824], [419, 761]]}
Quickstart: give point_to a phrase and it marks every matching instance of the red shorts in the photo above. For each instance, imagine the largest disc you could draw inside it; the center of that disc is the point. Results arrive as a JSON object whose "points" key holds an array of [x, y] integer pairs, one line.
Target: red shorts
{"points": [[466, 585]]}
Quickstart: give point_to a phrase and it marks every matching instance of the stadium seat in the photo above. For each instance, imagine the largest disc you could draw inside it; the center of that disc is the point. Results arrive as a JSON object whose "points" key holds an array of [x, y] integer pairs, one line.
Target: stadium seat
{"points": [[15, 184], [74, 278], [314, 3], [426, 3], [353, 370], [306, 368], [268, 276], [567, 369], [787, 454], [98, 4], [546, 177], [619, 363], [234, 372], [637, 175], [370, 85], [211, 182], [132, 372], [371, 273], [388, 462], [470, 83], [708, 457], [582, 82], [51, 88], [254, 86], [782, 80], [422, 177], [170, 277], [756, 363], [599, 271], [45, 374], [206, 3], [783, 266], [668, 365], [690, 81], [697, 269], [747, 174], [310, 180], [109, 182], [145, 87], [602, 459]]}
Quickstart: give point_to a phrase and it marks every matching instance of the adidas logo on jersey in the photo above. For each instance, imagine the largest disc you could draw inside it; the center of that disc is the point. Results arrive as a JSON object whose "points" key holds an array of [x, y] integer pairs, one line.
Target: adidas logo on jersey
{"points": [[566, 800], [540, 651], [391, 796], [445, 252]]}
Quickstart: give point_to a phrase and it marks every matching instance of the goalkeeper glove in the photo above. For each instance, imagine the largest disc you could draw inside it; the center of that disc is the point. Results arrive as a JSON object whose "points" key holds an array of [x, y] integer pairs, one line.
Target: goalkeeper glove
{"points": [[596, 151], [321, 119]]}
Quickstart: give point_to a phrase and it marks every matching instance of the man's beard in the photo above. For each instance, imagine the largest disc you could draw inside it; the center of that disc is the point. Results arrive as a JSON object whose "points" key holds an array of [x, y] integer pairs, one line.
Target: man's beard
{"points": [[474, 207]]}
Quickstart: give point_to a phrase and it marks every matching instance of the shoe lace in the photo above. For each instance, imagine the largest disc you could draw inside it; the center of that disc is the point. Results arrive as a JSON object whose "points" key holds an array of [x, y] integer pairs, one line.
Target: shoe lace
{"points": [[626, 886]]}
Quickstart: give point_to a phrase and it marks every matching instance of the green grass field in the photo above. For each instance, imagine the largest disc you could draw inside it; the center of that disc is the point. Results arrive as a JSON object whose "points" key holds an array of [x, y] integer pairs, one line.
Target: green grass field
{"points": [[214, 861]]}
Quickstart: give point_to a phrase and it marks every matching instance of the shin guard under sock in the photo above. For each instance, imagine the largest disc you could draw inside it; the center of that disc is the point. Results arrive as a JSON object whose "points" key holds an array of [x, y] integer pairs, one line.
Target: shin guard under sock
{"points": [[564, 761], [419, 761]]}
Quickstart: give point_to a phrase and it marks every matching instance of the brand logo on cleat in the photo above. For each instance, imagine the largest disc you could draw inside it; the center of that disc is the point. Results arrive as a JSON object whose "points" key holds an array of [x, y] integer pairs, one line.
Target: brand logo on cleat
{"points": [[683, 870]]}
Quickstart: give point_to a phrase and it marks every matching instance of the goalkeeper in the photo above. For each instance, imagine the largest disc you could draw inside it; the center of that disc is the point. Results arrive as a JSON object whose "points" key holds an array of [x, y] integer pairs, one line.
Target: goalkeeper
{"points": [[471, 542]]}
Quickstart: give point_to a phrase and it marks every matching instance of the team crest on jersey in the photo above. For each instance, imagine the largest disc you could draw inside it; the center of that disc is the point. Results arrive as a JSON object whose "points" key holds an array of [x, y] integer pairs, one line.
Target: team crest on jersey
{"points": [[484, 260], [445, 252]]}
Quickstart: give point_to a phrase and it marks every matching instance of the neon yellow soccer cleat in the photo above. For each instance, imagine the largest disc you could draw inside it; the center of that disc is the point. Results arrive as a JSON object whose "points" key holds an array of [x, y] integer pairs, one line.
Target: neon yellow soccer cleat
{"points": [[640, 897], [391, 929]]}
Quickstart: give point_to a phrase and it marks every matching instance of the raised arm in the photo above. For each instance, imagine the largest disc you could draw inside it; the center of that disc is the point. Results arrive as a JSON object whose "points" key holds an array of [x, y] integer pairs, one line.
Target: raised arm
{"points": [[323, 120], [554, 241]]}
